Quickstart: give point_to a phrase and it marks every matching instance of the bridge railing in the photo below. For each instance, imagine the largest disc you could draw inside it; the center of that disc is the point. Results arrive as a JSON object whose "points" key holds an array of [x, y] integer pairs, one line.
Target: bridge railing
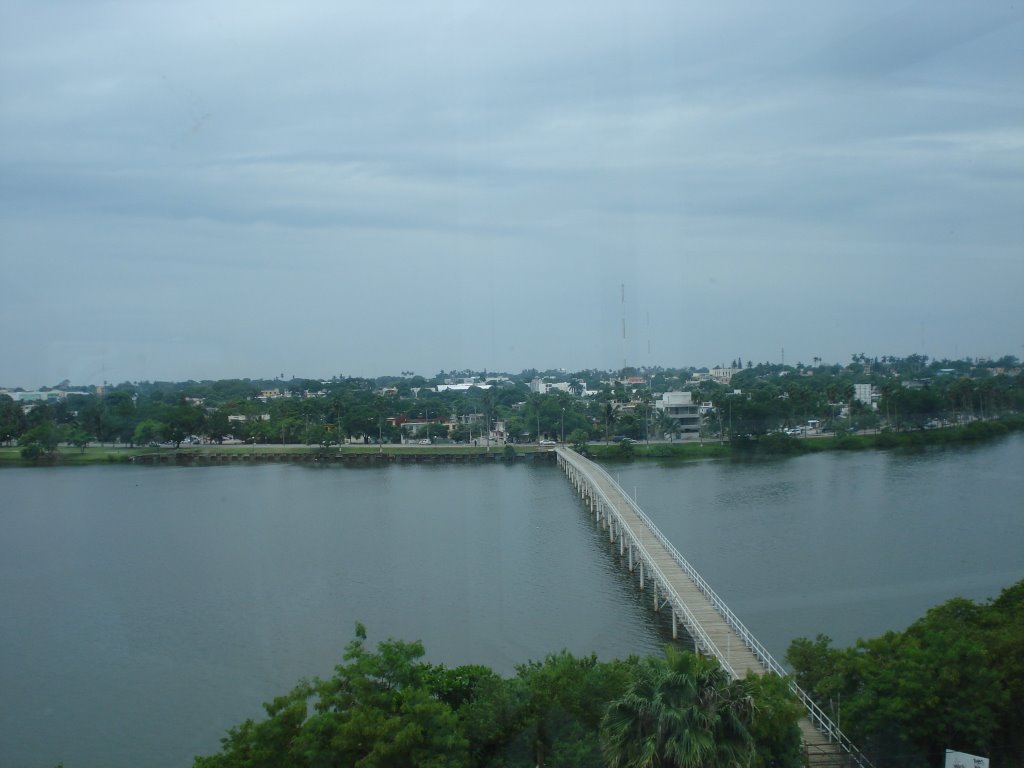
{"points": [[815, 713], [698, 632]]}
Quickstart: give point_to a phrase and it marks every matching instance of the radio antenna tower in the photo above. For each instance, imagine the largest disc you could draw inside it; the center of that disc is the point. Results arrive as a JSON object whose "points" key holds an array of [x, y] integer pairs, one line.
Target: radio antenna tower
{"points": [[622, 293], [649, 361]]}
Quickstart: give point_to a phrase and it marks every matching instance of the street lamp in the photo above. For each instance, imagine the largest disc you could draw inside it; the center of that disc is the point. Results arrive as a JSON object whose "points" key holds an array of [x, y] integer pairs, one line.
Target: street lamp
{"points": [[563, 425]]}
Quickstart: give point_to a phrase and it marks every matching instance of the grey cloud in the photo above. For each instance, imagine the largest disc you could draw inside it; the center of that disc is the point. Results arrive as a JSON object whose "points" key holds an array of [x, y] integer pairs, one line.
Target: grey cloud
{"points": [[468, 166]]}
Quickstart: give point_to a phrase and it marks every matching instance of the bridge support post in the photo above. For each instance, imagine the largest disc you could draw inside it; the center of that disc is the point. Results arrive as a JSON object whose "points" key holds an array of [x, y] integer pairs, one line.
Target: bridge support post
{"points": [[641, 575], [675, 625], [655, 591], [630, 557], [622, 544]]}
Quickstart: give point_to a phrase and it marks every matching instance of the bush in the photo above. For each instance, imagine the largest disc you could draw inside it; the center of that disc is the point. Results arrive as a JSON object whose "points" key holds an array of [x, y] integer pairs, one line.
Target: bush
{"points": [[33, 452], [578, 439]]}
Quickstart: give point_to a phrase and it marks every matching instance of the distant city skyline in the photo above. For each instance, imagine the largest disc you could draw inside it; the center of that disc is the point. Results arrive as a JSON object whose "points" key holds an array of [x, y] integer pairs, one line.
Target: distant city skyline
{"points": [[203, 191]]}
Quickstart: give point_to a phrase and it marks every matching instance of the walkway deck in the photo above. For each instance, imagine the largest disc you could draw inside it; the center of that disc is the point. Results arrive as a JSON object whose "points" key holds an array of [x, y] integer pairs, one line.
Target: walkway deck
{"points": [[707, 619]]}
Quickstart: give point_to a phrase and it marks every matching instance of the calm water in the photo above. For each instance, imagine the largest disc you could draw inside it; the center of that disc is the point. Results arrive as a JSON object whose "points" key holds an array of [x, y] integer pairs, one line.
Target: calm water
{"points": [[849, 545], [145, 610]]}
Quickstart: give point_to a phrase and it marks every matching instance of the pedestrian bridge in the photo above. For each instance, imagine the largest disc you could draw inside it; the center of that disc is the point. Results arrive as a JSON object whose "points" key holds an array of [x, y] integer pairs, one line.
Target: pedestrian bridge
{"points": [[676, 586]]}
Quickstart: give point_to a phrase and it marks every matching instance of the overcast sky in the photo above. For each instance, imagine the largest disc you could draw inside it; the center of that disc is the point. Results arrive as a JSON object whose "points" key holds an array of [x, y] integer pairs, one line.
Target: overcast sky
{"points": [[245, 189]]}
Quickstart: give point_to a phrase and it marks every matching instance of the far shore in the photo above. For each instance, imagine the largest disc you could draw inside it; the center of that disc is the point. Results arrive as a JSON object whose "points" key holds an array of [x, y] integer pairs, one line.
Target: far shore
{"points": [[686, 450]]}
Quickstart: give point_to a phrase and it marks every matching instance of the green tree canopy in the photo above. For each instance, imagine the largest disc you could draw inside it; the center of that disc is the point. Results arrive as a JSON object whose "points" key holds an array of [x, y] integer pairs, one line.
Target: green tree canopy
{"points": [[952, 680], [680, 712]]}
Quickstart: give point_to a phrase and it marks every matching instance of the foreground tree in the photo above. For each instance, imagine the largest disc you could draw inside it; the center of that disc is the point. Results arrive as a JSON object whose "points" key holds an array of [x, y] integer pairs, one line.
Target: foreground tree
{"points": [[390, 708], [680, 712], [377, 710], [952, 680]]}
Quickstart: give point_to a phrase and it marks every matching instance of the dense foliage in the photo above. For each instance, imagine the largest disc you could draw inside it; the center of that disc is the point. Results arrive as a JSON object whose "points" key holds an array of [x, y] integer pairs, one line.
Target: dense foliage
{"points": [[390, 708], [912, 394], [953, 680]]}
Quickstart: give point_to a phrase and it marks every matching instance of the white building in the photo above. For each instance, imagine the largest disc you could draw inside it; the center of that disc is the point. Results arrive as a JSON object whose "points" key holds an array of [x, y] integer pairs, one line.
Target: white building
{"points": [[863, 393], [679, 407], [49, 395], [724, 375], [542, 387], [460, 387]]}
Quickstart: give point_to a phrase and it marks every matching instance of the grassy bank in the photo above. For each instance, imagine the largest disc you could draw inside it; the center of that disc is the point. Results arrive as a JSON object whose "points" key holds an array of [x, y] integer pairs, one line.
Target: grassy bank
{"points": [[778, 444], [674, 451], [70, 456]]}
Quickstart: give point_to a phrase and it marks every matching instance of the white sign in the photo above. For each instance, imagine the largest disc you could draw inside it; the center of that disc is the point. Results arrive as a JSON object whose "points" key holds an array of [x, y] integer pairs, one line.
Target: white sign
{"points": [[963, 760]]}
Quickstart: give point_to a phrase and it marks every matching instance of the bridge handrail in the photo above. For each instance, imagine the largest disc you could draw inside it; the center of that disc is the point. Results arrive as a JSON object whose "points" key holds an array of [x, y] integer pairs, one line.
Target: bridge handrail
{"points": [[816, 714], [748, 638], [693, 624]]}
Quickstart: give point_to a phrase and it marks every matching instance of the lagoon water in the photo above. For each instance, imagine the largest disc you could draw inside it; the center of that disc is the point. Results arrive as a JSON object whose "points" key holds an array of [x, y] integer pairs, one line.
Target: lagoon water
{"points": [[145, 610], [846, 544]]}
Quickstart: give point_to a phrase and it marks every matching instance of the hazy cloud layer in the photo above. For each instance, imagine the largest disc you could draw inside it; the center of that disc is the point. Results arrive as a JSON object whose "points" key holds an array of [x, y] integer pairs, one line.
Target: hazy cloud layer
{"points": [[204, 190]]}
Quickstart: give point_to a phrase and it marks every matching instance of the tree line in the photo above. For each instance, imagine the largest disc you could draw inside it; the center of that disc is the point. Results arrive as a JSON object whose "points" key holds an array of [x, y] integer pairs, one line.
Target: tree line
{"points": [[954, 680], [390, 708], [914, 394]]}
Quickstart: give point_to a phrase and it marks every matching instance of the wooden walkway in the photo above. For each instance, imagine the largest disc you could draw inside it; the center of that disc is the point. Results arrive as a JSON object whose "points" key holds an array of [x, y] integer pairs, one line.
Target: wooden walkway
{"points": [[676, 585]]}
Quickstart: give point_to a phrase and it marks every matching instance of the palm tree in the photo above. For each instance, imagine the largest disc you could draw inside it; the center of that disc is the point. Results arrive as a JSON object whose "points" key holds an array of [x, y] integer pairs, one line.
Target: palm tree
{"points": [[609, 418], [680, 712]]}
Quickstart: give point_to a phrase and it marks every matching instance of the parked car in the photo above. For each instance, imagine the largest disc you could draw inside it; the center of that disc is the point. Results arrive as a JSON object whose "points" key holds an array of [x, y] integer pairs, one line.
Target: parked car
{"points": [[548, 442]]}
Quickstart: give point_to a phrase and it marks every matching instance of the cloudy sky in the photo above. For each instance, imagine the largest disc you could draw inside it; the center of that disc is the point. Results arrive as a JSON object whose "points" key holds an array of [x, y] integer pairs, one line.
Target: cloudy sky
{"points": [[245, 189]]}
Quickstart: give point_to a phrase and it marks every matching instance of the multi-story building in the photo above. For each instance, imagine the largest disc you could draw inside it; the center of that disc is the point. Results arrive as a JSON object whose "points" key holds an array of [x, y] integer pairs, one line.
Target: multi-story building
{"points": [[724, 375], [864, 393], [679, 407]]}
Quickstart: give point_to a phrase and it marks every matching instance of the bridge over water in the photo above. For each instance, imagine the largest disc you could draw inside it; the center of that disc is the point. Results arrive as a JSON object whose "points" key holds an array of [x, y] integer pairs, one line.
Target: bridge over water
{"points": [[676, 586]]}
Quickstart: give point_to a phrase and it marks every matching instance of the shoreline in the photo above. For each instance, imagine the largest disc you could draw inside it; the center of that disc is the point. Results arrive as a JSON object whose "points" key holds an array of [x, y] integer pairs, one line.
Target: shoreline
{"points": [[767, 446], [217, 455], [776, 445]]}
